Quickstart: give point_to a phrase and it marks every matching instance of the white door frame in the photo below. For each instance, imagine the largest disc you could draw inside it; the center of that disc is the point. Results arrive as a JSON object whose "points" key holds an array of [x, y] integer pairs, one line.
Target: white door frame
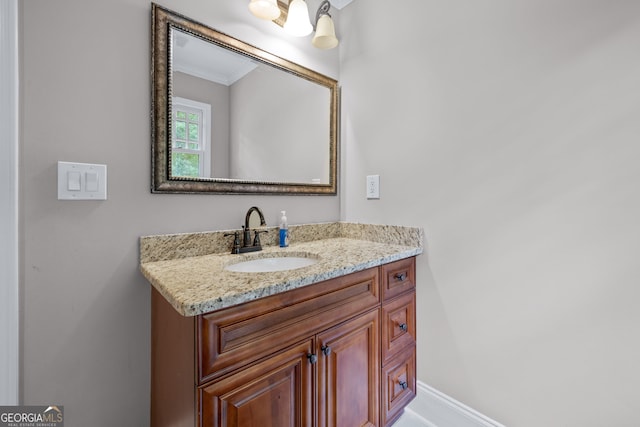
{"points": [[9, 244]]}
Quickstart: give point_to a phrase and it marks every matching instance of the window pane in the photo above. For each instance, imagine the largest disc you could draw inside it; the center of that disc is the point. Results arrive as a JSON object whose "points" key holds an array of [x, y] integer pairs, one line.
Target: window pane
{"points": [[181, 129], [185, 164], [180, 144], [181, 115], [193, 132], [194, 117], [193, 146]]}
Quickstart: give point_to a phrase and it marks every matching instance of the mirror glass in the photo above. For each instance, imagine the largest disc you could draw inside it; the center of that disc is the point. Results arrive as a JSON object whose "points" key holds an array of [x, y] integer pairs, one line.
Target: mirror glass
{"points": [[231, 118]]}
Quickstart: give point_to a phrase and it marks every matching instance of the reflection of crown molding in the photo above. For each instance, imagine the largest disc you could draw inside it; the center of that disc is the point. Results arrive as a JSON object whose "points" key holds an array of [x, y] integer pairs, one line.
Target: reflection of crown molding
{"points": [[197, 57], [223, 79]]}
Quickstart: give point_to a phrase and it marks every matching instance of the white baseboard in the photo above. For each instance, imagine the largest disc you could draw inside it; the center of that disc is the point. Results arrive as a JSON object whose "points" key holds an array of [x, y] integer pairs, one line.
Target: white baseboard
{"points": [[436, 409]]}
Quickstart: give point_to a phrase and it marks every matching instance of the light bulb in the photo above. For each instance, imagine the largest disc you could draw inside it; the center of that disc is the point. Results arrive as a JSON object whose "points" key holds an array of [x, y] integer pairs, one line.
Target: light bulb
{"points": [[265, 9], [298, 23]]}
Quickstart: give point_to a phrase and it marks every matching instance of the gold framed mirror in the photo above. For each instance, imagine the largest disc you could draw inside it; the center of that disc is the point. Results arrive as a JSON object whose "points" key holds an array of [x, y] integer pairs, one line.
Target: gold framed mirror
{"points": [[228, 117]]}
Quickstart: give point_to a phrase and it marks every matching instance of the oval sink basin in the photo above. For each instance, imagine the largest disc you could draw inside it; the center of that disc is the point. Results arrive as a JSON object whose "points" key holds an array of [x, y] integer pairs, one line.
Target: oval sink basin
{"points": [[264, 265]]}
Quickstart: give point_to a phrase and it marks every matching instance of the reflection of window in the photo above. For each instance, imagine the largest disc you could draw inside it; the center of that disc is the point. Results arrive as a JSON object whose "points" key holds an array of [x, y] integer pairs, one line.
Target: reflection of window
{"points": [[191, 144]]}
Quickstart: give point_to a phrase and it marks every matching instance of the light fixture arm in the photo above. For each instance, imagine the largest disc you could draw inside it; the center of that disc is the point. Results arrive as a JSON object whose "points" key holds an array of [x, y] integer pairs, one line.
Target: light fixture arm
{"points": [[323, 9]]}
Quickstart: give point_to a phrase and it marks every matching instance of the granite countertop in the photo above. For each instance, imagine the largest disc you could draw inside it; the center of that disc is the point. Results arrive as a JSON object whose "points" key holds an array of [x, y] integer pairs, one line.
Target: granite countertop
{"points": [[195, 283]]}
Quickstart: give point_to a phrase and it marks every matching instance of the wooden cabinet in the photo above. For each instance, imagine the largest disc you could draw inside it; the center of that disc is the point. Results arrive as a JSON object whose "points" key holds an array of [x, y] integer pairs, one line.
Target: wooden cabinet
{"points": [[275, 392], [330, 354], [348, 373], [399, 327], [398, 336]]}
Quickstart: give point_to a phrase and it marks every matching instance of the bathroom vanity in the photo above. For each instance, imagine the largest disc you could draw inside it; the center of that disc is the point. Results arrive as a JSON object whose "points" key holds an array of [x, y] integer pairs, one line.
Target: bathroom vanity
{"points": [[331, 344]]}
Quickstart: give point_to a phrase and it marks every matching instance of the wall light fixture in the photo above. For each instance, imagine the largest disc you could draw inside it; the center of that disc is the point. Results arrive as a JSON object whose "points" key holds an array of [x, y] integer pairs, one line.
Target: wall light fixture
{"points": [[294, 18]]}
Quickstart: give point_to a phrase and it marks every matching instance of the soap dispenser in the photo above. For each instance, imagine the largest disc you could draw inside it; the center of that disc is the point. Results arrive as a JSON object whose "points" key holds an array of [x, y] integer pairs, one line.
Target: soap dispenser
{"points": [[284, 230]]}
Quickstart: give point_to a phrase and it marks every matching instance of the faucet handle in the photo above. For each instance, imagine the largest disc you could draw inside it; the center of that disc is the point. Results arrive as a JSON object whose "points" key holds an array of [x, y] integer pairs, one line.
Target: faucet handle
{"points": [[256, 239], [236, 242]]}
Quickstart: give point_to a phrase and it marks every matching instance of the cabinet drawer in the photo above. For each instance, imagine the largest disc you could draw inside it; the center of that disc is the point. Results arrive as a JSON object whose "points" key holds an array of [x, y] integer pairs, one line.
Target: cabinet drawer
{"points": [[399, 384], [398, 324], [235, 336], [398, 277]]}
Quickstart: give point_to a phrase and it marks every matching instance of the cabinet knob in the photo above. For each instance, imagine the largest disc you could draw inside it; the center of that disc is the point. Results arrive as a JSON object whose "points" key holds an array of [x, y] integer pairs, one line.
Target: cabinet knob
{"points": [[403, 326], [400, 276], [326, 350], [403, 385], [312, 358]]}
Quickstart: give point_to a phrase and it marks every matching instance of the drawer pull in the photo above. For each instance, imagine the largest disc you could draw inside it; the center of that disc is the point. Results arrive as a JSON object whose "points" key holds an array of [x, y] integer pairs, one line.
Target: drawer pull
{"points": [[326, 350], [312, 358], [403, 385], [400, 276], [403, 326]]}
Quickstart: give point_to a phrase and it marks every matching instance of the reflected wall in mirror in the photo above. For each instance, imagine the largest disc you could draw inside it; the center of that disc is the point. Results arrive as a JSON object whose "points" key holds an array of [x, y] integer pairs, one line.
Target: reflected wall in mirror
{"points": [[231, 118]]}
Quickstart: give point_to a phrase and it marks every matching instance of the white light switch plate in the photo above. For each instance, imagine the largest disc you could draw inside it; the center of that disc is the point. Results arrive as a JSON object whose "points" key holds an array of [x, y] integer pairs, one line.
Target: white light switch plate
{"points": [[82, 181], [373, 186]]}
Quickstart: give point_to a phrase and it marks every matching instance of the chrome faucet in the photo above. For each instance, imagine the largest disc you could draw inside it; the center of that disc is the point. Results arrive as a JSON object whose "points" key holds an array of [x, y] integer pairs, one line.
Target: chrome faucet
{"points": [[247, 244]]}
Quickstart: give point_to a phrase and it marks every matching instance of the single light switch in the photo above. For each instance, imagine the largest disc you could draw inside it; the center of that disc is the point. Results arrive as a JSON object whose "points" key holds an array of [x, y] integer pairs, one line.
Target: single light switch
{"points": [[91, 180], [73, 181]]}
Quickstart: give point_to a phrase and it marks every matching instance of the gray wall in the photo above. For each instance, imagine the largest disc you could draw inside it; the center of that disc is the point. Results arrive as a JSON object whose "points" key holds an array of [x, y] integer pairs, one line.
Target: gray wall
{"points": [[509, 131], [86, 98]]}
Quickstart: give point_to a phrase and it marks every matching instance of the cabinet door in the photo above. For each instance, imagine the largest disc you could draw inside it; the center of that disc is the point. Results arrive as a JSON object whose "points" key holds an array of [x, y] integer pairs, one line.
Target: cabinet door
{"points": [[349, 374], [275, 392]]}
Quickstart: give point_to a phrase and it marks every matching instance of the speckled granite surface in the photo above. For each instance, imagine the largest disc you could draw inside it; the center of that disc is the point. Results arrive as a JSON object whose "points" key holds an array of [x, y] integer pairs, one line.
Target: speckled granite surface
{"points": [[188, 269]]}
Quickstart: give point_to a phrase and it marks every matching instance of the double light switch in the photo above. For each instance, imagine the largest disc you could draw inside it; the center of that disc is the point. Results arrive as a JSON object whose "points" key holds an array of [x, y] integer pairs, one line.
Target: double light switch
{"points": [[82, 181]]}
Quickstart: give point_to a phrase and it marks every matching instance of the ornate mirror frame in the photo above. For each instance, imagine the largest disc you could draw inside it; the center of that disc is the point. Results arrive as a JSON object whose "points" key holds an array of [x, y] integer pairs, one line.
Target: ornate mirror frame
{"points": [[163, 21]]}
